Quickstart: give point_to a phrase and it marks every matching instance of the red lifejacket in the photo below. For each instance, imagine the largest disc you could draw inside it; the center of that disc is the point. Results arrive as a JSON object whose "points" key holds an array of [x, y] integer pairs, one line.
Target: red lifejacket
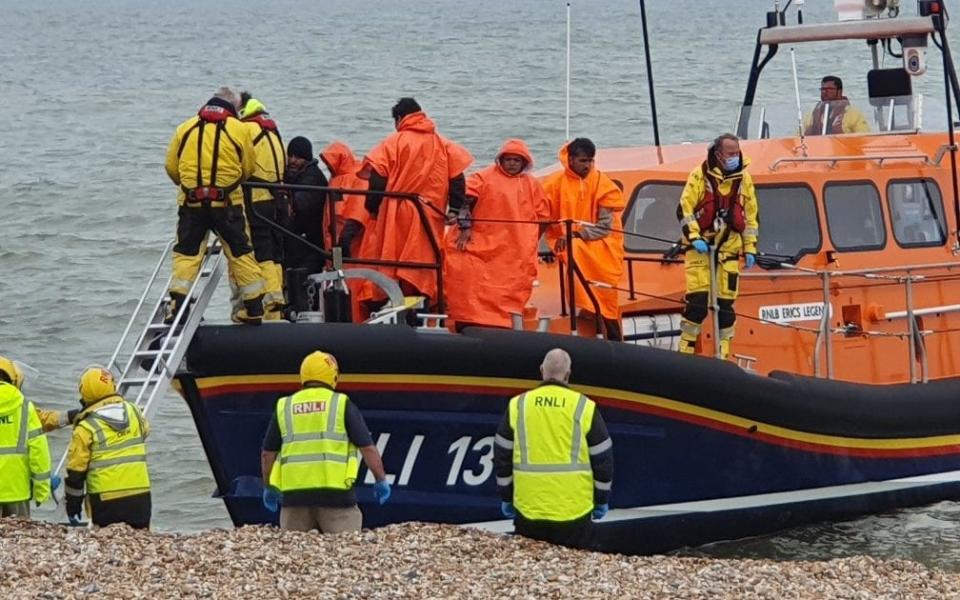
{"points": [[211, 113], [264, 122], [727, 207]]}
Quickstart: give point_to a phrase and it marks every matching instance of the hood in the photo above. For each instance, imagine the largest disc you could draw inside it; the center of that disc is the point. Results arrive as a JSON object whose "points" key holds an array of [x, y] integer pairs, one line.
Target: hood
{"points": [[110, 410], [518, 147], [564, 157], [339, 158], [418, 121], [10, 398]]}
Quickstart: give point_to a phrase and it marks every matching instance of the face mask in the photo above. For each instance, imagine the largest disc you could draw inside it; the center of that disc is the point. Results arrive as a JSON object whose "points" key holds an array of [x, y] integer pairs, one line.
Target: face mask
{"points": [[731, 164]]}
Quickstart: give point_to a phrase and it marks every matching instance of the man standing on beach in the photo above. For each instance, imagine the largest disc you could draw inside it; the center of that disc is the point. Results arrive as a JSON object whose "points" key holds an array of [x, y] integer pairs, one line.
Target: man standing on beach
{"points": [[316, 433], [108, 455], [24, 453], [553, 459]]}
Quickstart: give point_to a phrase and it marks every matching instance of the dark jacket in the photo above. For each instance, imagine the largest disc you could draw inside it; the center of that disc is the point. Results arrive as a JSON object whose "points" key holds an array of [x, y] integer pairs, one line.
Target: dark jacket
{"points": [[306, 218]]}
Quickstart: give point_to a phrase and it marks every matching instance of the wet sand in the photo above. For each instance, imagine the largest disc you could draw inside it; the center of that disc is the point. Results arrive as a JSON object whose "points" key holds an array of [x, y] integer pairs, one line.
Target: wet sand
{"points": [[412, 560]]}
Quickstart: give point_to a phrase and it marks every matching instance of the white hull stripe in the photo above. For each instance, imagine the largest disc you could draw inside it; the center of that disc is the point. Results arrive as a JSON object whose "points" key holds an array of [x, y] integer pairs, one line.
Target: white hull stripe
{"points": [[757, 500]]}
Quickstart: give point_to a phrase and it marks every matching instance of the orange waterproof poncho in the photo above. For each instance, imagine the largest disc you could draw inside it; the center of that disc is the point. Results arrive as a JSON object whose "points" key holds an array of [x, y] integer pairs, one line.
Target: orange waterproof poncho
{"points": [[414, 159], [571, 197], [343, 167], [493, 276]]}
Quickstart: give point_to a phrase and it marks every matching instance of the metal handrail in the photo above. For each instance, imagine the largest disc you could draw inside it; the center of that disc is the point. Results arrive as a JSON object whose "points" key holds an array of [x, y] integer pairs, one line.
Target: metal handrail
{"points": [[405, 196], [833, 160], [803, 272]]}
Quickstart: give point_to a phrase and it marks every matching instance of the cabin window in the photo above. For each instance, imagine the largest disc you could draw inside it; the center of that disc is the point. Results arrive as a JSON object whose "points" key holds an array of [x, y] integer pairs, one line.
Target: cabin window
{"points": [[653, 212], [854, 216], [916, 212], [789, 226]]}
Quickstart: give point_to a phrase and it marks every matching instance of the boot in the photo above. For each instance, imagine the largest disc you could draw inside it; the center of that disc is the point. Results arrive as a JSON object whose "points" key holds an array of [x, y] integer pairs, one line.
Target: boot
{"points": [[689, 333], [252, 311], [172, 306], [726, 339]]}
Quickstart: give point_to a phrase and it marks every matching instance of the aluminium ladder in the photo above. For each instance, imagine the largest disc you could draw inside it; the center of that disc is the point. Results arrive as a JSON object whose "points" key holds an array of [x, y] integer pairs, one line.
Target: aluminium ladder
{"points": [[151, 363]]}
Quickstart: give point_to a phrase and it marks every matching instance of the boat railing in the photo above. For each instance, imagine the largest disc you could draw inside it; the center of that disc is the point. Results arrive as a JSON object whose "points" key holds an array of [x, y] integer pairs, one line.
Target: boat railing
{"points": [[570, 273], [337, 257], [833, 160]]}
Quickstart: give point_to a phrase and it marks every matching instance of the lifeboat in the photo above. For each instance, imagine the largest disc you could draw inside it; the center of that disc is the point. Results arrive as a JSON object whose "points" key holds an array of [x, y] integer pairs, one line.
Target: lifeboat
{"points": [[840, 398]]}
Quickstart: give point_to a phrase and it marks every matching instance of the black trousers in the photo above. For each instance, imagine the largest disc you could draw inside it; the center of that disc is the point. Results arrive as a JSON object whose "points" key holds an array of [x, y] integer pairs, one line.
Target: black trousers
{"points": [[132, 510], [267, 241], [572, 534], [228, 222]]}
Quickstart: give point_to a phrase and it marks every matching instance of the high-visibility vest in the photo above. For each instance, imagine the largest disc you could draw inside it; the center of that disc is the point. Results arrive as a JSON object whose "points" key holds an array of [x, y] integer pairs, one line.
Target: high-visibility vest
{"points": [[316, 451], [552, 477], [21, 435], [118, 459]]}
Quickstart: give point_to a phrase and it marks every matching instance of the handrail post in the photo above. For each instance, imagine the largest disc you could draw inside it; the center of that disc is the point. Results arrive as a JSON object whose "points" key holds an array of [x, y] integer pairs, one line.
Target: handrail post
{"points": [[825, 326], [633, 295], [571, 298], [911, 327], [714, 301]]}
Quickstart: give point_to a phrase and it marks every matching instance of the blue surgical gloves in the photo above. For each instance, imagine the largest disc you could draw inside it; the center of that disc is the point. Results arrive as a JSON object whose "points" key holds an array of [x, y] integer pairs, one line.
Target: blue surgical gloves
{"points": [[271, 498], [749, 260], [700, 246], [507, 510], [55, 481], [600, 511], [381, 491]]}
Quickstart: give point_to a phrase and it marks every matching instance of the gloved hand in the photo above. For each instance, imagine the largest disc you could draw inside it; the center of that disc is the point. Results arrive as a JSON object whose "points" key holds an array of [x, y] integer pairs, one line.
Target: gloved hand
{"points": [[547, 257], [55, 481], [72, 415], [271, 498], [560, 246], [74, 507], [600, 511], [507, 510], [749, 260], [700, 246], [381, 491]]}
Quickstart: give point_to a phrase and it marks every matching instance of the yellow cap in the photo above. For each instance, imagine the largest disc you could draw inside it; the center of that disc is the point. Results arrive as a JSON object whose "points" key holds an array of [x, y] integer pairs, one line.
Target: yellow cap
{"points": [[12, 371], [252, 107], [96, 383], [319, 367]]}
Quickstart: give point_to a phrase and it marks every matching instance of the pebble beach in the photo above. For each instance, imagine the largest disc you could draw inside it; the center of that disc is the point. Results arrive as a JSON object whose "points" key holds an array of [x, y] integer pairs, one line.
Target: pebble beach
{"points": [[411, 560]]}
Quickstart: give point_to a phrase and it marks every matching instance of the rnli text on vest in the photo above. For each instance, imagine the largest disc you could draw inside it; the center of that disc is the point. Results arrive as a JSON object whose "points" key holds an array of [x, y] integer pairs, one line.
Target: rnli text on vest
{"points": [[309, 407], [550, 401]]}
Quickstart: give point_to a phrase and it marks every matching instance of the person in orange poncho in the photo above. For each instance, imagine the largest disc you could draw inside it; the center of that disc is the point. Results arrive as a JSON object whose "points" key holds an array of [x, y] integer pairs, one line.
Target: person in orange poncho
{"points": [[489, 267], [414, 159], [582, 193], [352, 217]]}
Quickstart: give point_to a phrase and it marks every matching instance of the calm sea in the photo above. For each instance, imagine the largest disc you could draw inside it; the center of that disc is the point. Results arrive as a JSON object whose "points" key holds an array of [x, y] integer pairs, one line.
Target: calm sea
{"points": [[91, 92]]}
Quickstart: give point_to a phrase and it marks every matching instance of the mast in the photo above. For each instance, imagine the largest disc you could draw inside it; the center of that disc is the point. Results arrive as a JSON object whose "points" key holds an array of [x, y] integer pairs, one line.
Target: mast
{"points": [[646, 51]]}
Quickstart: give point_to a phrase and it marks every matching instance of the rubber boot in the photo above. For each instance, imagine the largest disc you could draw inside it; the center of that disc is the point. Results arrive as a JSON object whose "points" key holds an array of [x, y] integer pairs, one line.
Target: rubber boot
{"points": [[726, 339], [689, 333], [252, 311], [172, 306]]}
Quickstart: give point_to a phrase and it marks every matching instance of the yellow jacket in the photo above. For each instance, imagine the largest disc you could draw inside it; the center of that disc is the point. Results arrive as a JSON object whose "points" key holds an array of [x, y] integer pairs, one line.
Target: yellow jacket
{"points": [[81, 445], [24, 474], [189, 166], [693, 193], [271, 160], [51, 420]]}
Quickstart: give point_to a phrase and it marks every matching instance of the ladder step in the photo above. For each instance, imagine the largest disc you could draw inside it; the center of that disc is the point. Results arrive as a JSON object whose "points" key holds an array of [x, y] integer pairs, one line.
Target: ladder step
{"points": [[150, 353], [157, 326]]}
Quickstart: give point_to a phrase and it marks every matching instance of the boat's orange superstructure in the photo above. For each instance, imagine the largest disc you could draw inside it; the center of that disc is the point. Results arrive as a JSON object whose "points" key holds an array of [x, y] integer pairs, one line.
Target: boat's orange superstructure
{"points": [[874, 212]]}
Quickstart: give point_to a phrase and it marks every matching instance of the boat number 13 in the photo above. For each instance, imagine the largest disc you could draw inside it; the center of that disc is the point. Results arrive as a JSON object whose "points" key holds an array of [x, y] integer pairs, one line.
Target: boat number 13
{"points": [[471, 476], [459, 449]]}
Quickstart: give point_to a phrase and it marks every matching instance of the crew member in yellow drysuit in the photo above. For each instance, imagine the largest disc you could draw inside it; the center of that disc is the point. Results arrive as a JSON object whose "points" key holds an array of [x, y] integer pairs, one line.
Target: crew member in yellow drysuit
{"points": [[718, 208]]}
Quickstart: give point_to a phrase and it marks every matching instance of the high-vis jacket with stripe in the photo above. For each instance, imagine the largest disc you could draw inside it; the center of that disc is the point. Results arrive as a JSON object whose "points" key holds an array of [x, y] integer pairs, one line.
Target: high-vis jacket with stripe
{"points": [[271, 158], [108, 450], [316, 452], [24, 453], [553, 454]]}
